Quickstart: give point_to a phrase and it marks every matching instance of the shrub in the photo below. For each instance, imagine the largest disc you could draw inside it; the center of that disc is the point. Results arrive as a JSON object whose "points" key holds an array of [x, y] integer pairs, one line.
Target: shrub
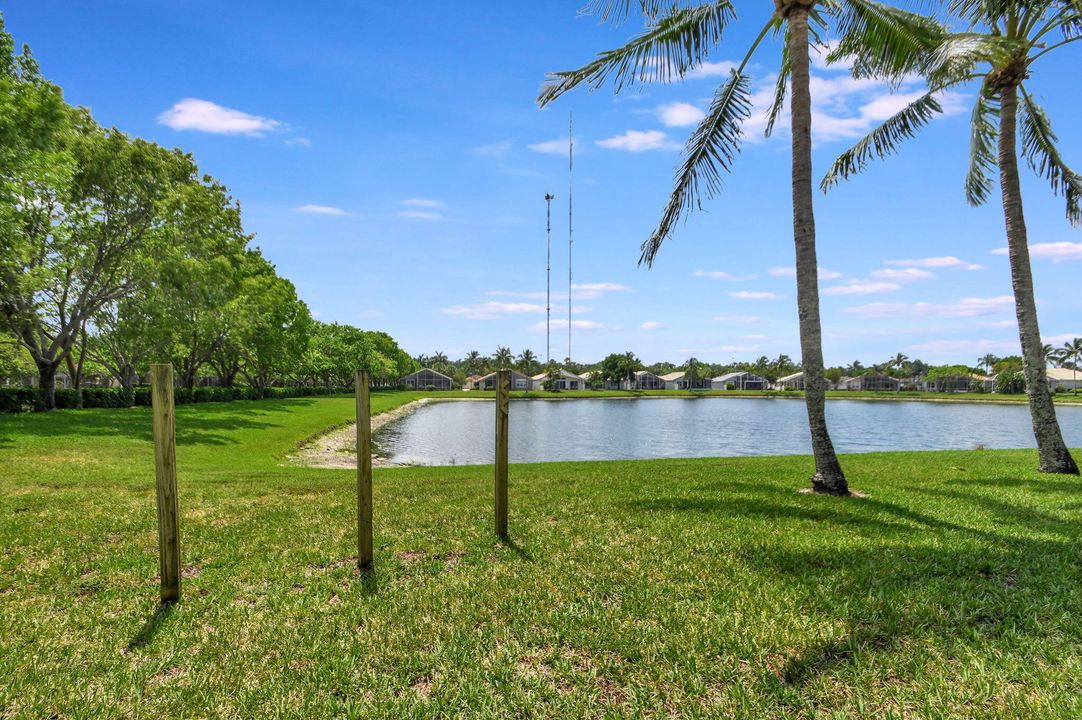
{"points": [[1010, 383], [15, 400]]}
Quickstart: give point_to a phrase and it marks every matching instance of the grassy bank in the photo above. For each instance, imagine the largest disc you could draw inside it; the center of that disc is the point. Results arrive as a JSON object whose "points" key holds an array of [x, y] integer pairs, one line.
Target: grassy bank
{"points": [[703, 588]]}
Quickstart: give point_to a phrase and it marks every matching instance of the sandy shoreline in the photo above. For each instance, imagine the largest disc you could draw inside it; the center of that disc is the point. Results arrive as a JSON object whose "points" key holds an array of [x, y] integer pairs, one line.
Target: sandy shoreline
{"points": [[338, 448]]}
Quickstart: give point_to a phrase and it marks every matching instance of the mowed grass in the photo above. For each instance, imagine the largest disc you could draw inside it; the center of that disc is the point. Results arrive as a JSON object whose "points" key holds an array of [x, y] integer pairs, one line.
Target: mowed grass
{"points": [[690, 588]]}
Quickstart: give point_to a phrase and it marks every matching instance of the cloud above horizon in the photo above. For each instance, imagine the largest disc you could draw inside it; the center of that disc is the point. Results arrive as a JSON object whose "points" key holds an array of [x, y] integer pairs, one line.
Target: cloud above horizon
{"points": [[322, 210], [206, 116], [636, 141], [1056, 251]]}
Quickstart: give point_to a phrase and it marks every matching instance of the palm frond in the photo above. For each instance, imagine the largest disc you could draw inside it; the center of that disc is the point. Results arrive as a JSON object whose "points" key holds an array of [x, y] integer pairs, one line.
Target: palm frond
{"points": [[709, 152], [785, 67], [617, 10], [884, 140], [1039, 149], [958, 55], [881, 40], [673, 44], [1071, 25], [983, 135]]}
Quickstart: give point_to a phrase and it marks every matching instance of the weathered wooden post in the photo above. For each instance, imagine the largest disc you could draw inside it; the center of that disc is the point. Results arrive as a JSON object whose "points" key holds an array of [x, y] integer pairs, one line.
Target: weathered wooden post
{"points": [[364, 472], [165, 469], [503, 405]]}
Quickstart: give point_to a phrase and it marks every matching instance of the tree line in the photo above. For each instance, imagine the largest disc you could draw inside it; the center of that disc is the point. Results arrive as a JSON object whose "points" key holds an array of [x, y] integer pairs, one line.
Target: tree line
{"points": [[118, 252]]}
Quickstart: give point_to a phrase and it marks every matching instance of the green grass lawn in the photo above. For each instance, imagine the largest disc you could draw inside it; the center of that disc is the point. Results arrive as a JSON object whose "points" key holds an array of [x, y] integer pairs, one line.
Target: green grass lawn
{"points": [[693, 588]]}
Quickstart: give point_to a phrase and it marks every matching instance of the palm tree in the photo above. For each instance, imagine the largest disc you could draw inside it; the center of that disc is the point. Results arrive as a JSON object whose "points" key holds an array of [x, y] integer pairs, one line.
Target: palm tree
{"points": [[1071, 354], [473, 362], [503, 357], [692, 372], [527, 362], [988, 362], [1002, 42], [678, 38]]}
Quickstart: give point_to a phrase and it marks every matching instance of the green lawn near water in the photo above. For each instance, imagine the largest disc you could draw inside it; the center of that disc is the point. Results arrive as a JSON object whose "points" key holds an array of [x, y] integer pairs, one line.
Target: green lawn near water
{"points": [[669, 588]]}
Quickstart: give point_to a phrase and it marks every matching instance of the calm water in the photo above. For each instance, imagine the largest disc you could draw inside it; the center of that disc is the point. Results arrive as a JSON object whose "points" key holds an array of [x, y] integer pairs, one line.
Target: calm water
{"points": [[460, 433]]}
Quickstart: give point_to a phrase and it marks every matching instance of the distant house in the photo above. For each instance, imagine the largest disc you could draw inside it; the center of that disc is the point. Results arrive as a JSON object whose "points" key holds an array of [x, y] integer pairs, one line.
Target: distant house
{"points": [[739, 381], [565, 380], [967, 382], [488, 382], [592, 379], [469, 382], [870, 381], [646, 380], [427, 379], [674, 380], [1064, 379], [796, 382]]}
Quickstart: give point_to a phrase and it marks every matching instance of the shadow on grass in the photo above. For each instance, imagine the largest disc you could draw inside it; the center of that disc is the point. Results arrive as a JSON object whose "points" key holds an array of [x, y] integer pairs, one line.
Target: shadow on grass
{"points": [[196, 424], [521, 552], [898, 576], [151, 626]]}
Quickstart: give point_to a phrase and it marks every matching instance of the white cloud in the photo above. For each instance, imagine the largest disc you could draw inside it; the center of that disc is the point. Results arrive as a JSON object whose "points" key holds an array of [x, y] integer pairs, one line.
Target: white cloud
{"points": [[551, 147], [301, 141], [494, 149], [787, 271], [491, 309], [1000, 324], [964, 308], [679, 114], [710, 69], [754, 295], [580, 291], [651, 325], [945, 261], [205, 116], [1061, 338], [722, 275], [742, 319], [322, 210], [426, 215], [720, 349], [909, 274], [861, 287], [424, 203], [843, 107], [636, 141], [1056, 252]]}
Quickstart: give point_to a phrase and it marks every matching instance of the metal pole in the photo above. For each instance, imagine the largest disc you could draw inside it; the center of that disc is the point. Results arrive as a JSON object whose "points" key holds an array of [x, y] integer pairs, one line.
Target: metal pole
{"points": [[548, 278], [570, 170]]}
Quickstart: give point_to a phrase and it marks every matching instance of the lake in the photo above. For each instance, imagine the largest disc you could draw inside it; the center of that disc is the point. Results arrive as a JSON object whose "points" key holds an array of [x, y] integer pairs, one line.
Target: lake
{"points": [[461, 433]]}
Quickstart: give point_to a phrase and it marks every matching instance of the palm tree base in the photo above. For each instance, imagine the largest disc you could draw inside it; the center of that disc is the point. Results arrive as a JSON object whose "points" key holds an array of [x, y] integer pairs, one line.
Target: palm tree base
{"points": [[1062, 466], [837, 486]]}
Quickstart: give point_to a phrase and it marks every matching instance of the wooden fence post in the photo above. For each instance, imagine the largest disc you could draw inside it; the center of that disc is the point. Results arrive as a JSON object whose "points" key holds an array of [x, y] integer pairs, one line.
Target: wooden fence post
{"points": [[364, 472], [503, 403], [165, 470]]}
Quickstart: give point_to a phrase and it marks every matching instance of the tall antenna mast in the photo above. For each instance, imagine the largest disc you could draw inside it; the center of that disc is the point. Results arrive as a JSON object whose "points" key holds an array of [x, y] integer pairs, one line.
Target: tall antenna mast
{"points": [[570, 175], [548, 278]]}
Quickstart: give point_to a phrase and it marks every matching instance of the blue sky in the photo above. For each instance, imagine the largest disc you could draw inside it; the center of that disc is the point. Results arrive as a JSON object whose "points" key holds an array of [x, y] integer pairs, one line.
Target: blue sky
{"points": [[393, 164]]}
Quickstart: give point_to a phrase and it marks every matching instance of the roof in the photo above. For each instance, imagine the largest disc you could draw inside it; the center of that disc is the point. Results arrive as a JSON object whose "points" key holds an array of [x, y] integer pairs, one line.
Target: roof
{"points": [[434, 372], [734, 375], [640, 373], [1064, 374], [794, 376], [675, 375], [563, 373], [493, 373]]}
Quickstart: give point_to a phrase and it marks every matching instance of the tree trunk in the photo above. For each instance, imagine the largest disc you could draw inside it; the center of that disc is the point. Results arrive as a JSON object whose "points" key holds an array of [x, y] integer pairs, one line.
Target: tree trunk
{"points": [[1053, 452], [828, 477], [47, 383]]}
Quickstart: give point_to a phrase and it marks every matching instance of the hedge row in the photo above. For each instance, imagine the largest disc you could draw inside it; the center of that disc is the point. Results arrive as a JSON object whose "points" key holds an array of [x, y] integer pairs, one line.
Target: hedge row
{"points": [[14, 400]]}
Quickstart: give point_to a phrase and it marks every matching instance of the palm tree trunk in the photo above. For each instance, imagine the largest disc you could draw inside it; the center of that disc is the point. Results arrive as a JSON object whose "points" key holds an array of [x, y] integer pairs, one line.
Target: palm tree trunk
{"points": [[828, 477], [1053, 452]]}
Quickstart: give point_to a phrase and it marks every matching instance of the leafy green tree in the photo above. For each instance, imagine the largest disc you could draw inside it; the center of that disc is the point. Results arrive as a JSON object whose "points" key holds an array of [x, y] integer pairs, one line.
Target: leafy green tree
{"points": [[999, 48], [678, 38], [619, 367]]}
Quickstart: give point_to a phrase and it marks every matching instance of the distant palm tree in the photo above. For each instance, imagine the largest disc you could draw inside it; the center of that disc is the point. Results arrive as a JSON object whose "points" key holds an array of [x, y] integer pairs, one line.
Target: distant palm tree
{"points": [[473, 362], [1003, 40], [679, 38], [1071, 354], [988, 362], [692, 372], [503, 357], [438, 359], [527, 362]]}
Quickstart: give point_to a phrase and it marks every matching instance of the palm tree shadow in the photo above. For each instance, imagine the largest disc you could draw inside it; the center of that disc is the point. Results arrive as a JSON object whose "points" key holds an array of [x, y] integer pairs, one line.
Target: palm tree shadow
{"points": [[151, 626]]}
